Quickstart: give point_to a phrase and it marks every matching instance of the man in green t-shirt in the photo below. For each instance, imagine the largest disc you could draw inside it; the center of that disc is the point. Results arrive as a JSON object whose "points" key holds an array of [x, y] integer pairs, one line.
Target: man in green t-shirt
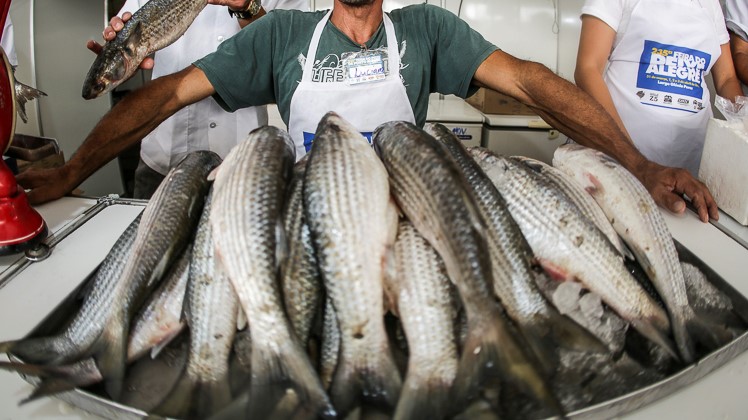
{"points": [[370, 67]]}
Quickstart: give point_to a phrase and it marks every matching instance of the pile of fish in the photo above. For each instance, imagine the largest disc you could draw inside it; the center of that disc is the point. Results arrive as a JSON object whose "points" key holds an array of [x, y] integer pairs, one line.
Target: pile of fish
{"points": [[412, 279]]}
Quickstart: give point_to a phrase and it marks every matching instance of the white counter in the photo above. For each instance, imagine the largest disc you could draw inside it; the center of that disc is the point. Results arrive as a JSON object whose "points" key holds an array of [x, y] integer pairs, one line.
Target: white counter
{"points": [[28, 298]]}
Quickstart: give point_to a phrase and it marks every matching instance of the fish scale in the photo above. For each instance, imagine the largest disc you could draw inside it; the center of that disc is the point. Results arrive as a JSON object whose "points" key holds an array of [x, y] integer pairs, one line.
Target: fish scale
{"points": [[246, 218], [570, 245], [152, 27], [432, 192], [511, 264], [352, 221], [636, 217]]}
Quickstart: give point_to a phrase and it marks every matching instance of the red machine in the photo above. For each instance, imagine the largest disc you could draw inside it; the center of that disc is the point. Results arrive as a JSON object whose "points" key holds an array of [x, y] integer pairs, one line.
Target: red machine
{"points": [[21, 227]]}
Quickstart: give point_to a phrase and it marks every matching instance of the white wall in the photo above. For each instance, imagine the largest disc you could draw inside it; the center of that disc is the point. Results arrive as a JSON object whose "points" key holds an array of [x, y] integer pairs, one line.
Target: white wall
{"points": [[51, 45]]}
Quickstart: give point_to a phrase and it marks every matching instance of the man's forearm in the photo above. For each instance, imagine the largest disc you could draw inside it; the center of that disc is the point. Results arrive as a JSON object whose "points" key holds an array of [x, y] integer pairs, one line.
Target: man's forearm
{"points": [[577, 114], [124, 125]]}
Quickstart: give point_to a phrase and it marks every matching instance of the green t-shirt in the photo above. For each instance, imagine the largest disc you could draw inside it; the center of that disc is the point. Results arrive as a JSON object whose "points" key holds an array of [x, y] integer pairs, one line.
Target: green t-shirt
{"points": [[264, 62]]}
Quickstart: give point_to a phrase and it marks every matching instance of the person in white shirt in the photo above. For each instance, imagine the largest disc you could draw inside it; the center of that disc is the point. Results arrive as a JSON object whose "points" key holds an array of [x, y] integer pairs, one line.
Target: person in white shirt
{"points": [[645, 62], [736, 16], [203, 125], [8, 43]]}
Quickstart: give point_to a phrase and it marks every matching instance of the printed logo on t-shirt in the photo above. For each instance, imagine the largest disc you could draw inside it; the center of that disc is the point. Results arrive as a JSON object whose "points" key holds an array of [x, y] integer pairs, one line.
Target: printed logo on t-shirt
{"points": [[671, 75]]}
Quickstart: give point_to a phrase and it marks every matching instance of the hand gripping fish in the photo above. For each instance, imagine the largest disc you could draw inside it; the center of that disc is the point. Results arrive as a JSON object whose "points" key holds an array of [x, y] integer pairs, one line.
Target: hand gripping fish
{"points": [[154, 26]]}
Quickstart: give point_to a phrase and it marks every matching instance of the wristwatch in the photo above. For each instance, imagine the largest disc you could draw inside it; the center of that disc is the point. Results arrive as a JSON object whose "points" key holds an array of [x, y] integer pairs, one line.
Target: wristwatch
{"points": [[252, 9]]}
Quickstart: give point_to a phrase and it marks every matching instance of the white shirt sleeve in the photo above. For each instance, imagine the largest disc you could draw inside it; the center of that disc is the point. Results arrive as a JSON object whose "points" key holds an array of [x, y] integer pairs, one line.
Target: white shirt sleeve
{"points": [[8, 42], [715, 9], [736, 16], [131, 6], [609, 11]]}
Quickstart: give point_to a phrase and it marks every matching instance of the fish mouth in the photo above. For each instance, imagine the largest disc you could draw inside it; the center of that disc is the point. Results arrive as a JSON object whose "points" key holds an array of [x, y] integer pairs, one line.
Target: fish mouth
{"points": [[94, 90]]}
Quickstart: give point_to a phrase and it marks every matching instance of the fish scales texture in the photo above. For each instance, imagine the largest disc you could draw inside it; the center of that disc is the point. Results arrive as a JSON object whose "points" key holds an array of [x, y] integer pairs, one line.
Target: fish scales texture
{"points": [[580, 197], [432, 192], [167, 226], [330, 345], [78, 337], [152, 27], [248, 200], [353, 221], [636, 217], [513, 276], [569, 245], [300, 278], [426, 307], [211, 311], [161, 317]]}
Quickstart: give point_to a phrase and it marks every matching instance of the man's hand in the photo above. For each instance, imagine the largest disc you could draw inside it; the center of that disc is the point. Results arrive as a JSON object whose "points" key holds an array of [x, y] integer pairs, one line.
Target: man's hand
{"points": [[110, 32], [667, 185], [45, 184]]}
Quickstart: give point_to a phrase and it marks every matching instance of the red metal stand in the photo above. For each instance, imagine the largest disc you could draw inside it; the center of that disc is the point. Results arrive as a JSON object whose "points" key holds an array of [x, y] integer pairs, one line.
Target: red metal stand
{"points": [[21, 227]]}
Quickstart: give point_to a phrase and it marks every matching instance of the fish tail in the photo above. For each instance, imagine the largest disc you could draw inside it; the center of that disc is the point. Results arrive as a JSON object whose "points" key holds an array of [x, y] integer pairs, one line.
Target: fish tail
{"points": [[377, 380], [707, 334], [191, 398], [49, 387], [43, 350], [490, 352], [273, 373], [423, 401], [111, 355], [683, 340], [648, 330], [570, 335]]}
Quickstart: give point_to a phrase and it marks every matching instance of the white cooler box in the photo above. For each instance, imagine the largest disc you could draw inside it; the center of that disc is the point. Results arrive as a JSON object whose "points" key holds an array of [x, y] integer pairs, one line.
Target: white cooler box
{"points": [[724, 167]]}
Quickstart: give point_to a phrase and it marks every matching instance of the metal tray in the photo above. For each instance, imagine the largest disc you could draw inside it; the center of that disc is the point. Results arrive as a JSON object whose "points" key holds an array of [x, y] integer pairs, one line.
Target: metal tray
{"points": [[95, 404]]}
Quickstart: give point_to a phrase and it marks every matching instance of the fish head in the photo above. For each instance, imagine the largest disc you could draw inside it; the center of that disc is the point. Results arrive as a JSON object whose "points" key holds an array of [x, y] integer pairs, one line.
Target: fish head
{"points": [[117, 62]]}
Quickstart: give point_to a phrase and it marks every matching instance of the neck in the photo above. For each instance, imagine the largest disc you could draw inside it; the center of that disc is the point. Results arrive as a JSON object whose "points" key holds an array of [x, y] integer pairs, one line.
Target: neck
{"points": [[358, 22]]}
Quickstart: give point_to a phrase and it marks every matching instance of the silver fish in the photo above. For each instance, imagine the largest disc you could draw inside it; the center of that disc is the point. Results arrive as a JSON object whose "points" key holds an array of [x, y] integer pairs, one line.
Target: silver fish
{"points": [[426, 307], [211, 308], [300, 278], [160, 320], [330, 345], [247, 226], [571, 247], [154, 26], [353, 221], [168, 224], [636, 217], [514, 279], [581, 198], [432, 192], [75, 341]]}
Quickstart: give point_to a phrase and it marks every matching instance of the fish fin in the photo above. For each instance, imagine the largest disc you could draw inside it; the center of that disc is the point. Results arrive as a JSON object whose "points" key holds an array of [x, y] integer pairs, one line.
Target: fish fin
{"points": [[423, 401], [489, 353], [110, 355], [706, 334], [378, 381], [190, 398], [38, 371], [133, 41], [212, 175], [158, 348], [54, 350], [49, 387], [568, 334], [241, 319], [648, 330], [273, 373]]}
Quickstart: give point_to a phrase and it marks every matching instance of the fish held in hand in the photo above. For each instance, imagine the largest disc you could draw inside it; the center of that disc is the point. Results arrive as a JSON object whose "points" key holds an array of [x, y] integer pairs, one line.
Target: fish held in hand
{"points": [[154, 26]]}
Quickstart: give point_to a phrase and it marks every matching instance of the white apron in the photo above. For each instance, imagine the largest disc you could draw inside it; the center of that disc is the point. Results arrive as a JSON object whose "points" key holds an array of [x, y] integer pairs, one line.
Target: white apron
{"points": [[656, 78], [365, 105]]}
